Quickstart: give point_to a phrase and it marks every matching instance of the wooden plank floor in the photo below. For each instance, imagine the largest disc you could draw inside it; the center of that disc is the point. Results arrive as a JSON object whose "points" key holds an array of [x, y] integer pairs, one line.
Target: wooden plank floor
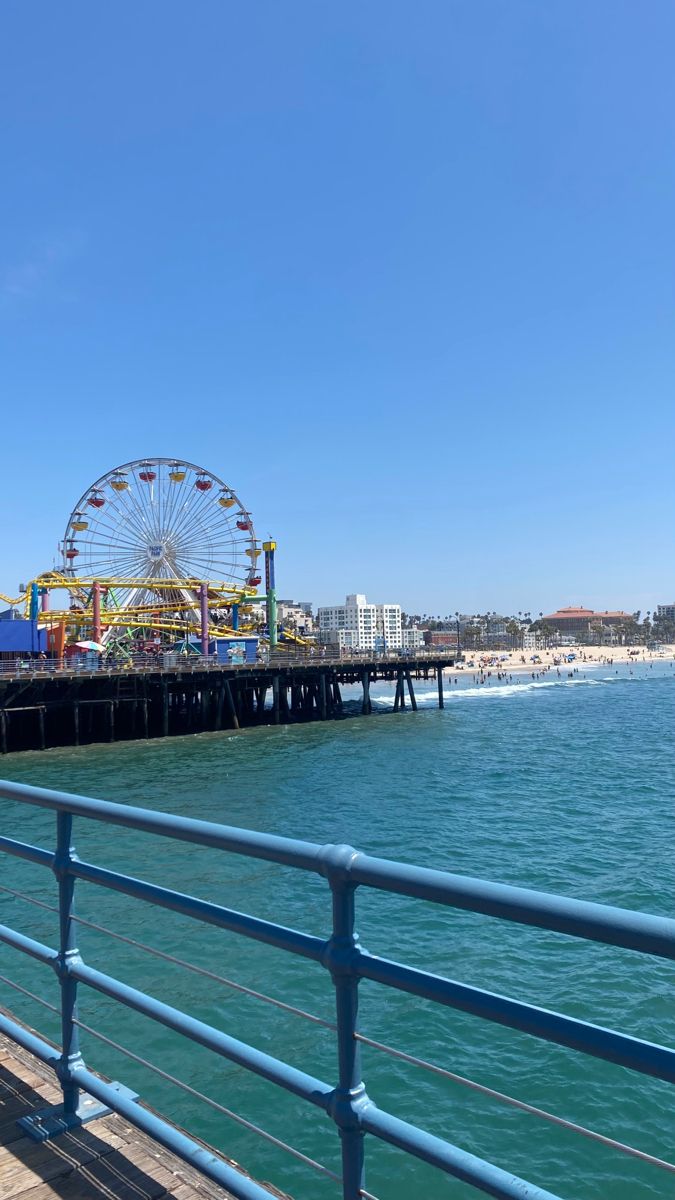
{"points": [[105, 1160]]}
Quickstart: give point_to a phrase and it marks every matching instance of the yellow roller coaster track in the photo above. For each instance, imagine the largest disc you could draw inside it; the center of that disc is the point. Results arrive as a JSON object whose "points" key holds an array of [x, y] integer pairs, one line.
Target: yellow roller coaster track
{"points": [[221, 594]]}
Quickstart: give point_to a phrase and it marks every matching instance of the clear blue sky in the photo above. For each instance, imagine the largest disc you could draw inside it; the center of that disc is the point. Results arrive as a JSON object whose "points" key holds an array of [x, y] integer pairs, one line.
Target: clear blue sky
{"points": [[403, 274]]}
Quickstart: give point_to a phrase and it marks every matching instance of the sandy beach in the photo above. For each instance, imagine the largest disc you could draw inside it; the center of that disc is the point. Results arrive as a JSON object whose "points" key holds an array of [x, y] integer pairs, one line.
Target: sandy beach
{"points": [[521, 661]]}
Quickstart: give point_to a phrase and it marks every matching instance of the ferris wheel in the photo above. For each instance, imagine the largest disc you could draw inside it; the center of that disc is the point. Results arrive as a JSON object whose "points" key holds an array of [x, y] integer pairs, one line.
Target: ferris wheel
{"points": [[165, 520]]}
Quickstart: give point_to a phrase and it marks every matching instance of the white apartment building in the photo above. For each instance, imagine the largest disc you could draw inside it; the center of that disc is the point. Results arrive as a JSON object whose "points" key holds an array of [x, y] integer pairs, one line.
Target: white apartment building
{"points": [[373, 626], [412, 639]]}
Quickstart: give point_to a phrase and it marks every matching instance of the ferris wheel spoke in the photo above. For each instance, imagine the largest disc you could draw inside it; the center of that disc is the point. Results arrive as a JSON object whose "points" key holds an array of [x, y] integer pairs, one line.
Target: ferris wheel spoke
{"points": [[117, 544], [121, 507], [114, 529], [114, 540], [177, 491], [120, 502], [224, 553], [227, 571], [191, 519], [212, 530], [110, 531], [96, 526], [116, 561], [140, 497], [194, 512], [188, 547], [119, 570], [125, 512]]}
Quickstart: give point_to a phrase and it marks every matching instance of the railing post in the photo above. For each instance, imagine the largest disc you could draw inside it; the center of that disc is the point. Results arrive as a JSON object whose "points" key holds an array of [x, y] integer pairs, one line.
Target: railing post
{"points": [[70, 1037], [349, 1097], [77, 1107]]}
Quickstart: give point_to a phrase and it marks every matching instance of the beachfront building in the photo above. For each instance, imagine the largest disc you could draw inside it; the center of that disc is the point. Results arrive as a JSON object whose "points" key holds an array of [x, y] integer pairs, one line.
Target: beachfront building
{"points": [[485, 630], [533, 640], [344, 639], [441, 639], [665, 612], [412, 638], [578, 622], [375, 626]]}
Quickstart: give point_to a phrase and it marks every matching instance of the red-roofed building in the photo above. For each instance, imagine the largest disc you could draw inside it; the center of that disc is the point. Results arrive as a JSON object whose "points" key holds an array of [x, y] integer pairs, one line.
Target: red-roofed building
{"points": [[576, 620]]}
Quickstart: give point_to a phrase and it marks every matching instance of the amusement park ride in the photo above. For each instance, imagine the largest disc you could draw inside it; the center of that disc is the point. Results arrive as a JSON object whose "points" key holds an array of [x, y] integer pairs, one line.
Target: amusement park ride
{"points": [[156, 551]]}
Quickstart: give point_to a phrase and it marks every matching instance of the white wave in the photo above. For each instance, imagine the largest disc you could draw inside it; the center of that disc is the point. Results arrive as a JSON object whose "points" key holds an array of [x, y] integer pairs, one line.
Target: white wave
{"points": [[487, 691]]}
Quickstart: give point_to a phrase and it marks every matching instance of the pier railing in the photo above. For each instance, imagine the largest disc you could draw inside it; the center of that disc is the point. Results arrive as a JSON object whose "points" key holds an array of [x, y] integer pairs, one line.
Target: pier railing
{"points": [[356, 1115], [26, 667]]}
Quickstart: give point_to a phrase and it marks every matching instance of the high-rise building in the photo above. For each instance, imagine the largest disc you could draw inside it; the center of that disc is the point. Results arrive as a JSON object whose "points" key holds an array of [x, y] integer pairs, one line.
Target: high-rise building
{"points": [[372, 626]]}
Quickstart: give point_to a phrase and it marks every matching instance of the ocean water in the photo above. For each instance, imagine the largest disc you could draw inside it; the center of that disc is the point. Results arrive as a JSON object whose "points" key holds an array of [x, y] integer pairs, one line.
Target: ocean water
{"points": [[564, 784]]}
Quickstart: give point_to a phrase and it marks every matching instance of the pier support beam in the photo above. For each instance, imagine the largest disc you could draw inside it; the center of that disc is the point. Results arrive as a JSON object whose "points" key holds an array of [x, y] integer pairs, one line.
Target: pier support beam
{"points": [[230, 704], [439, 676], [165, 710], [3, 731], [366, 706], [323, 710], [413, 701], [275, 699]]}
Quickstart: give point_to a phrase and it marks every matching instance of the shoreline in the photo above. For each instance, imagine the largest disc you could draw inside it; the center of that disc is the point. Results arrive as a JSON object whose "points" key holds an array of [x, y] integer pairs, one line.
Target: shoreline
{"points": [[511, 662]]}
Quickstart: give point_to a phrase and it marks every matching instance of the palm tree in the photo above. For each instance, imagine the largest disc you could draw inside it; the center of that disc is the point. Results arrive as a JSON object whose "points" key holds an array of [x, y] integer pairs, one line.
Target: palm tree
{"points": [[514, 631]]}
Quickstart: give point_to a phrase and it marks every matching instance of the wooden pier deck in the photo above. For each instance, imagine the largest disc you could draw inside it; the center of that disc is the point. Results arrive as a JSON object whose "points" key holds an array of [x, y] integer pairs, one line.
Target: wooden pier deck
{"points": [[106, 1159]]}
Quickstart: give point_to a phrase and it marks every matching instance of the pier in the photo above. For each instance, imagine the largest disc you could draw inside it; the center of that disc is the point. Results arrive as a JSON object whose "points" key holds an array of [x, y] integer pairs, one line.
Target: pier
{"points": [[43, 705]]}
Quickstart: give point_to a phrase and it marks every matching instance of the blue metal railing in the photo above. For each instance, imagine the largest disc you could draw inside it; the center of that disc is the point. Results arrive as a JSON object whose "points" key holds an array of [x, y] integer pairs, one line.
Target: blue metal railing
{"points": [[345, 869]]}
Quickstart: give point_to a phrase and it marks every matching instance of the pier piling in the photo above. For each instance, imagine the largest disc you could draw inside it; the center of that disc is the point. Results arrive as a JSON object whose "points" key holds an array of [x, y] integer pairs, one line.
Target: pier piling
{"points": [[366, 707], [231, 705]]}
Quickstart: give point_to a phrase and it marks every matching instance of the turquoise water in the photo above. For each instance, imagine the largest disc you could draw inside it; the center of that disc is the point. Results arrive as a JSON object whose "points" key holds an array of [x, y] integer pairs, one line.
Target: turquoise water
{"points": [[561, 784]]}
